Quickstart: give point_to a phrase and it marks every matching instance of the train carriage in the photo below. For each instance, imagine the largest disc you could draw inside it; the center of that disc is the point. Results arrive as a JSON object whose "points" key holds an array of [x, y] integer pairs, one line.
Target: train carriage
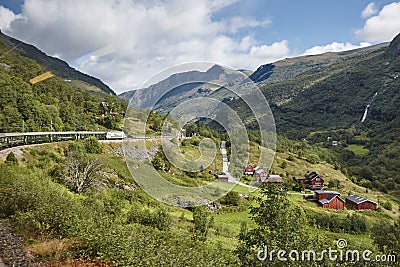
{"points": [[3, 142], [11, 139], [36, 137], [63, 136], [17, 139]]}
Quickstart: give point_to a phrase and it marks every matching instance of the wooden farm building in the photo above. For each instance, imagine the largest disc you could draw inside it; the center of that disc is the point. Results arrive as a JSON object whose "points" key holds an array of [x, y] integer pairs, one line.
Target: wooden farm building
{"points": [[360, 203], [329, 199], [274, 178], [260, 175], [313, 181], [248, 169], [222, 178]]}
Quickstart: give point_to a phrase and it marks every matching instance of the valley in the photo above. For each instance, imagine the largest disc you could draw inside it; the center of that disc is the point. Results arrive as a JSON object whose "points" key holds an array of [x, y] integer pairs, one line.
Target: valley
{"points": [[83, 202]]}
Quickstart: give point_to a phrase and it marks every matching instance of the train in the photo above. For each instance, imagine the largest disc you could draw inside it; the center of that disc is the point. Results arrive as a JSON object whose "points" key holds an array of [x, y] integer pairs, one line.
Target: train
{"points": [[17, 139]]}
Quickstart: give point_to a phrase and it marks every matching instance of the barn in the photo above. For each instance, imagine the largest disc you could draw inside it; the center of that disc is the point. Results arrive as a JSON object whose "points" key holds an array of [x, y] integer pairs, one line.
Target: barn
{"points": [[313, 181], [329, 199], [274, 178], [360, 203], [223, 178], [332, 202]]}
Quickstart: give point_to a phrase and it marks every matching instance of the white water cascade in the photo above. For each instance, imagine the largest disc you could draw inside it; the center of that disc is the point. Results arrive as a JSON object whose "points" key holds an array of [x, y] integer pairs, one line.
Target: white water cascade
{"points": [[366, 108]]}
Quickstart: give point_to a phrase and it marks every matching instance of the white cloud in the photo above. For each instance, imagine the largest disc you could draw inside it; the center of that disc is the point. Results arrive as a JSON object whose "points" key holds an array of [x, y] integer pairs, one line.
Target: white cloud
{"points": [[334, 47], [382, 27], [369, 10], [6, 17], [142, 37], [236, 23]]}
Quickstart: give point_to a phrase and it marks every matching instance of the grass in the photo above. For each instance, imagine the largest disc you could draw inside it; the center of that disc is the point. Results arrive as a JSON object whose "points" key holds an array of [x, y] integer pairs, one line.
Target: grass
{"points": [[358, 150], [227, 223]]}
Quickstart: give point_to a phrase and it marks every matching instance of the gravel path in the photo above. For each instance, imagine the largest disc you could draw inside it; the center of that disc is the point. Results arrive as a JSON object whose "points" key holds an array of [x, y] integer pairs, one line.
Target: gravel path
{"points": [[11, 244]]}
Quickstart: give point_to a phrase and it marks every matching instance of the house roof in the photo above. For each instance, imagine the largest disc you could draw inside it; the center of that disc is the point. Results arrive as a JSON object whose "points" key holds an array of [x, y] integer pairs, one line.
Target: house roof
{"points": [[259, 170], [274, 176], [329, 199], [326, 192], [312, 176], [358, 200]]}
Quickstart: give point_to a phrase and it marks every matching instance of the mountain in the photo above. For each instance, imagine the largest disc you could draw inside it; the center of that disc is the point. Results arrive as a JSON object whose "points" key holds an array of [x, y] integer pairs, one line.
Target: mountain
{"points": [[55, 65], [168, 93], [354, 101], [32, 99], [351, 97], [291, 67], [273, 73]]}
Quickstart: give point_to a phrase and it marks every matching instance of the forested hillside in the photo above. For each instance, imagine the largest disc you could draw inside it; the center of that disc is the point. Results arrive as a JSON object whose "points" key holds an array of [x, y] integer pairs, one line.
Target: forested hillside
{"points": [[57, 66], [53, 103]]}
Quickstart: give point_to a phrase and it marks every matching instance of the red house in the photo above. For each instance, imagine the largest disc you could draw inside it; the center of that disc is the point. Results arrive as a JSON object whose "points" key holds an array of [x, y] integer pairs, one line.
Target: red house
{"points": [[332, 202], [314, 181], [329, 199], [360, 203], [248, 169], [223, 178]]}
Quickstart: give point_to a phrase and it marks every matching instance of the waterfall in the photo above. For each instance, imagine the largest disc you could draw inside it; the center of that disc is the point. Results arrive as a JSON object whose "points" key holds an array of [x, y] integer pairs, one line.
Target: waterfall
{"points": [[366, 108]]}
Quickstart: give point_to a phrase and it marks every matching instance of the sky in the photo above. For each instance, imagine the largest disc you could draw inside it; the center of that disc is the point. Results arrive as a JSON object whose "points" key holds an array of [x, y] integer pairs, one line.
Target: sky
{"points": [[126, 42]]}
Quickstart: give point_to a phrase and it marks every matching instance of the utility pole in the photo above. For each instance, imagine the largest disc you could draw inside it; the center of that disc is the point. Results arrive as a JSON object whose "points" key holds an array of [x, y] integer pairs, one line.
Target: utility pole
{"points": [[23, 125]]}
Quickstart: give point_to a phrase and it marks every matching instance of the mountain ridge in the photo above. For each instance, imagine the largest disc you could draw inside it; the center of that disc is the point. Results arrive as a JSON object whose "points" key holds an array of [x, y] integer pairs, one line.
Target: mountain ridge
{"points": [[55, 65]]}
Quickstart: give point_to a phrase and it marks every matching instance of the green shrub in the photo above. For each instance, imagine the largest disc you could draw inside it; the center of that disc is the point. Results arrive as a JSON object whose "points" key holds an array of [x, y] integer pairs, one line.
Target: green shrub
{"points": [[231, 198], [92, 145], [11, 159], [387, 205], [159, 219]]}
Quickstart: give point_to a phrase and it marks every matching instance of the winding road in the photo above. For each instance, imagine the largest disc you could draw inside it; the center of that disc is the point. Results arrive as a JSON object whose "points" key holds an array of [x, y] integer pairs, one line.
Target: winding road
{"points": [[225, 167]]}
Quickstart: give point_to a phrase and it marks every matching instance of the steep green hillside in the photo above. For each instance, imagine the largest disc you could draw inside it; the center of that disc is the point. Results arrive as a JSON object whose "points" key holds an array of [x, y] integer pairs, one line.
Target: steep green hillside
{"points": [[57, 66], [329, 103], [49, 104]]}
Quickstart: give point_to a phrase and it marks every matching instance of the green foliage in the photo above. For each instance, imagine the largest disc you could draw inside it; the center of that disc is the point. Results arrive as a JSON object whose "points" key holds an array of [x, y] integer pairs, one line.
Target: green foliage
{"points": [[97, 221], [155, 121], [201, 223], [352, 224], [92, 145], [11, 159], [49, 104], [160, 161], [387, 205], [326, 103], [159, 218], [231, 198], [279, 226], [387, 237], [335, 184]]}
